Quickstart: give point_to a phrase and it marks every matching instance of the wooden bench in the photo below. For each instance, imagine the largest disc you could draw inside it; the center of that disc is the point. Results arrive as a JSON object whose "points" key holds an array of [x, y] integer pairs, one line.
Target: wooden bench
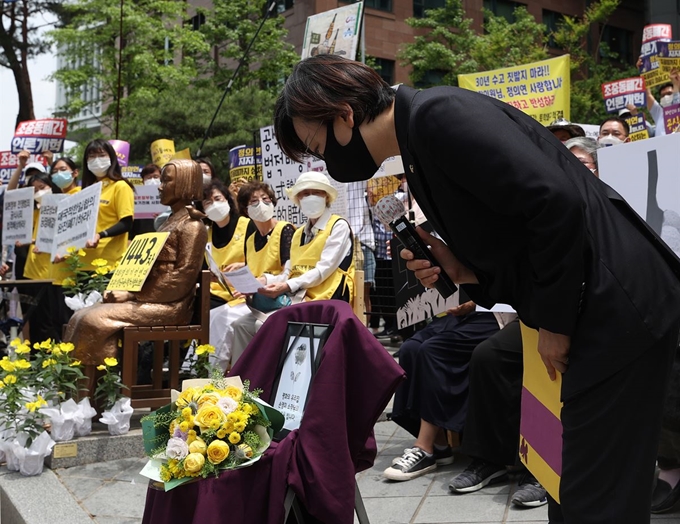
{"points": [[156, 395]]}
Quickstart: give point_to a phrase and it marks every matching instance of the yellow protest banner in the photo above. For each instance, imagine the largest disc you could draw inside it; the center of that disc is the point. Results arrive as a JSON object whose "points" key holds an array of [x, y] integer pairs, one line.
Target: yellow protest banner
{"points": [[183, 154], [162, 151], [540, 445], [137, 261], [540, 89]]}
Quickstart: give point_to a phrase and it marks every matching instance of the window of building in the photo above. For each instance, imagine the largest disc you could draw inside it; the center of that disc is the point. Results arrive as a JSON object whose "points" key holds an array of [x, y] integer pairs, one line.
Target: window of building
{"points": [[551, 21], [620, 41], [284, 5], [197, 21], [420, 6], [433, 77], [504, 8], [382, 5], [385, 69]]}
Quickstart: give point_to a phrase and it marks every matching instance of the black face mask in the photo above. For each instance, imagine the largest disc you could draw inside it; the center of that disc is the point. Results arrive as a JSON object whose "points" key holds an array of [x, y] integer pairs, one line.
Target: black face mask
{"points": [[350, 163]]}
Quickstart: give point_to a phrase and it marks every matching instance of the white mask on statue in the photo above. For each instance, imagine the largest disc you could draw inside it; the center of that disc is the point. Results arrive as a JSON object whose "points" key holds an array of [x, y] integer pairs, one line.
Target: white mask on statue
{"points": [[217, 211], [313, 205]]}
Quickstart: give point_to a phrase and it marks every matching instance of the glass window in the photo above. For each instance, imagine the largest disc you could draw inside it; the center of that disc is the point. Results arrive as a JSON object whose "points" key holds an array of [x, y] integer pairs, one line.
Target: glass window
{"points": [[283, 5], [420, 6], [620, 41], [197, 21], [551, 21], [504, 8], [433, 77], [382, 5], [385, 69]]}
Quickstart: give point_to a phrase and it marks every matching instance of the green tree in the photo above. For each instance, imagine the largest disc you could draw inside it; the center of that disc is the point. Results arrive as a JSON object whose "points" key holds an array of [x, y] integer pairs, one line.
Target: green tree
{"points": [[591, 61]]}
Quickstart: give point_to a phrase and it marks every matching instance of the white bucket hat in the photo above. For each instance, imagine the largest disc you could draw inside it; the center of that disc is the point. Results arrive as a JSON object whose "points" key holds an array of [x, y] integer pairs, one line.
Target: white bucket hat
{"points": [[312, 180]]}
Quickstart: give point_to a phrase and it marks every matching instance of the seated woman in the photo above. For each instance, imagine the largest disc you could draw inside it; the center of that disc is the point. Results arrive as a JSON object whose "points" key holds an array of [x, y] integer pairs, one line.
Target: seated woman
{"points": [[167, 296], [321, 255], [226, 243], [434, 396]]}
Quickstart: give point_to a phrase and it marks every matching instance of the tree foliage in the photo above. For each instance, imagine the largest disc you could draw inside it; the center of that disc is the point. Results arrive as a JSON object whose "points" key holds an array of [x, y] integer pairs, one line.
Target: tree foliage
{"points": [[450, 47]]}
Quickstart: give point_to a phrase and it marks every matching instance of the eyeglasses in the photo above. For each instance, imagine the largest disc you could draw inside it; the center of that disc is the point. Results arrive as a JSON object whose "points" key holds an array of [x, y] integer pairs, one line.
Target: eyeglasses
{"points": [[315, 154], [256, 201], [585, 161]]}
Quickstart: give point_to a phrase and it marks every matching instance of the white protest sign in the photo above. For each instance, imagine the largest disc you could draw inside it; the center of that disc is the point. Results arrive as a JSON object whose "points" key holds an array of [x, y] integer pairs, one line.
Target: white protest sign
{"points": [[76, 220], [148, 202], [17, 216], [47, 221]]}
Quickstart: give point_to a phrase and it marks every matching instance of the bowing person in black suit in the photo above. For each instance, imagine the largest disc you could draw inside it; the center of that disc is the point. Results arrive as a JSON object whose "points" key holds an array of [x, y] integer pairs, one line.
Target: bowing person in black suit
{"points": [[524, 223]]}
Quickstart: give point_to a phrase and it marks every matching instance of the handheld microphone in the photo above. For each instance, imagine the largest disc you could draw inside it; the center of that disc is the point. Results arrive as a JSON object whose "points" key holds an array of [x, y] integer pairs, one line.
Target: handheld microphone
{"points": [[390, 211]]}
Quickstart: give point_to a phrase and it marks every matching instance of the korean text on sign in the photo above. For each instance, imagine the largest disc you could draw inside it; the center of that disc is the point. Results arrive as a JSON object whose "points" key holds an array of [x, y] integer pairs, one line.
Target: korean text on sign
{"points": [[17, 216], [76, 220], [38, 136], [137, 262], [540, 89], [9, 162], [621, 93]]}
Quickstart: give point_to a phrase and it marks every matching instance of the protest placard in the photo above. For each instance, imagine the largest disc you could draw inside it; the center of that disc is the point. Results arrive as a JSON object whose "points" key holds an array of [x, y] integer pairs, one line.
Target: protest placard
{"points": [[540, 89], [133, 174], [137, 261], [638, 127], [38, 136], [654, 32], [650, 63], [242, 163], [148, 202], [280, 172], [9, 162], [17, 216], [671, 57], [76, 220], [47, 221], [122, 150], [162, 151], [621, 93], [671, 118], [334, 32]]}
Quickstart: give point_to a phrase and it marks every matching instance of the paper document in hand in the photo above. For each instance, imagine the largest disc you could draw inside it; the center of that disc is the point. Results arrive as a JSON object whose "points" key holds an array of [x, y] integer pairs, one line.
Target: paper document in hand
{"points": [[215, 268], [243, 280]]}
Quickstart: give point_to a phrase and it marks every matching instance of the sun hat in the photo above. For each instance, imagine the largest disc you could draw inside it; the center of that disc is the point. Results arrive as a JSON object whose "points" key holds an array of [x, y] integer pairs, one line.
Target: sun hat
{"points": [[312, 180], [562, 123]]}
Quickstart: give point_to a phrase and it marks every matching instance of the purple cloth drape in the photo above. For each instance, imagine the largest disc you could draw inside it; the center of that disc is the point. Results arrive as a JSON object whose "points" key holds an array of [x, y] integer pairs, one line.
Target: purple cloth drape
{"points": [[354, 382]]}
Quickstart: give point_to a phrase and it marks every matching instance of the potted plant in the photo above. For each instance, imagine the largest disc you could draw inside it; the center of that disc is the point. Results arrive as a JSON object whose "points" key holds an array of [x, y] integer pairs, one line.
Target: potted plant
{"points": [[117, 408]]}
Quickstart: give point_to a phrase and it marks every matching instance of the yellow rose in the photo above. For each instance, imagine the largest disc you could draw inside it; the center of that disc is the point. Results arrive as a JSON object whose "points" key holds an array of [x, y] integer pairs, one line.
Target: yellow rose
{"points": [[193, 462], [111, 361], [197, 446], [191, 436], [208, 399], [234, 392], [234, 437], [209, 417], [218, 450]]}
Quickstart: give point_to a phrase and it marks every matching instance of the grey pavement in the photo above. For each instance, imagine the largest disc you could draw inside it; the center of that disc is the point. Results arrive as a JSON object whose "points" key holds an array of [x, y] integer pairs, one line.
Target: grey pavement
{"points": [[114, 493]]}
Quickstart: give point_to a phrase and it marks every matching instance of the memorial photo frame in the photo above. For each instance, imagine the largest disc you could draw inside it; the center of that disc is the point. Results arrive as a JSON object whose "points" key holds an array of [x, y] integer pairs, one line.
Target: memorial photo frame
{"points": [[300, 358]]}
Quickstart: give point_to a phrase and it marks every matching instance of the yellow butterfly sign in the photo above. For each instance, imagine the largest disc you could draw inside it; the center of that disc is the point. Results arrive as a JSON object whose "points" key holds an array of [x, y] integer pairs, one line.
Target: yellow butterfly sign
{"points": [[137, 262], [540, 445]]}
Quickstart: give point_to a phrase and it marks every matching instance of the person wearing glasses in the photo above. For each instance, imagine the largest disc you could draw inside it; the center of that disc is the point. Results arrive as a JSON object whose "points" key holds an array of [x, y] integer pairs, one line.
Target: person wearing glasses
{"points": [[523, 222]]}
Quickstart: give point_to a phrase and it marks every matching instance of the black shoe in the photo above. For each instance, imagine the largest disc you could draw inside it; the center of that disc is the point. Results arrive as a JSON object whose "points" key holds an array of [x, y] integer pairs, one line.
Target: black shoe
{"points": [[477, 475], [443, 457], [385, 333], [664, 497], [413, 463], [529, 492]]}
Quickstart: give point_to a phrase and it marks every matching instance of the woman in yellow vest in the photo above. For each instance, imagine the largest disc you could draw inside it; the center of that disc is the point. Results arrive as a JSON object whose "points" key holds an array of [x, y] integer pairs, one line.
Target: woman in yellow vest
{"points": [[321, 261], [227, 234], [116, 204]]}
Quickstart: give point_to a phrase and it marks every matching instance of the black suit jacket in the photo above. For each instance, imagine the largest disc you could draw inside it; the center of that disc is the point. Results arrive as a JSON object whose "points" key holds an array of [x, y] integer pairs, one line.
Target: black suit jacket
{"points": [[539, 230]]}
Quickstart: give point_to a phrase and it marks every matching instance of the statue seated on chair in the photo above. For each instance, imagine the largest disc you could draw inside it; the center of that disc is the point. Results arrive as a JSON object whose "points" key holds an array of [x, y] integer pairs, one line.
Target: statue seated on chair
{"points": [[168, 293]]}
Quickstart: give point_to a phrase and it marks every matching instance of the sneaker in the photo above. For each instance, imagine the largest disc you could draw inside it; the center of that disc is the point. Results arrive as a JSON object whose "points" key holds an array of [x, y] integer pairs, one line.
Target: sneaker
{"points": [[529, 492], [477, 475], [413, 463], [443, 457]]}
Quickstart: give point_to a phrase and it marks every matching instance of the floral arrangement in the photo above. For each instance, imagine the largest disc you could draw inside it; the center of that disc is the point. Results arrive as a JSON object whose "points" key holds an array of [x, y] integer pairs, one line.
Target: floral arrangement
{"points": [[216, 425], [85, 288], [109, 385], [56, 370]]}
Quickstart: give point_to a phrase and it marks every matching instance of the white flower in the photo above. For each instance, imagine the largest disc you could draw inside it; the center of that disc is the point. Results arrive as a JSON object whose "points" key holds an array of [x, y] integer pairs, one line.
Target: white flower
{"points": [[176, 448], [227, 404]]}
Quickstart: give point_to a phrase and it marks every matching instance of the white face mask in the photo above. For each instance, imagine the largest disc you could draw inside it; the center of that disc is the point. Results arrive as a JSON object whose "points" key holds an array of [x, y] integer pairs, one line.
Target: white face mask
{"points": [[313, 205], [666, 100], [261, 212], [37, 196], [206, 179], [609, 140], [152, 182], [99, 166], [217, 211]]}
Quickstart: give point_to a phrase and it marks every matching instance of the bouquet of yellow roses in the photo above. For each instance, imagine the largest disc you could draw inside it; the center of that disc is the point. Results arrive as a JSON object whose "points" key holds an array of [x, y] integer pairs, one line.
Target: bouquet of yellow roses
{"points": [[211, 426]]}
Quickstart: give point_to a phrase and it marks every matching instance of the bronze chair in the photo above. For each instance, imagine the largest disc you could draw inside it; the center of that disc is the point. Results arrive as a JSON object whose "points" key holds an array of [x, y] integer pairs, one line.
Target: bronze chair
{"points": [[155, 395]]}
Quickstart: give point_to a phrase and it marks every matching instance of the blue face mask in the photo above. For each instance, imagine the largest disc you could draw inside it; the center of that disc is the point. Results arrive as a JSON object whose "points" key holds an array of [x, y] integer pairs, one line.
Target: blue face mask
{"points": [[62, 179]]}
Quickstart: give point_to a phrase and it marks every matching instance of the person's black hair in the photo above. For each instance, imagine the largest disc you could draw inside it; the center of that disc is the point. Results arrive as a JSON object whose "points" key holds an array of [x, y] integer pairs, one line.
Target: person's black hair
{"points": [[319, 89], [621, 121], [665, 86], [148, 169], [205, 160], [45, 179], [67, 160], [114, 172], [219, 186]]}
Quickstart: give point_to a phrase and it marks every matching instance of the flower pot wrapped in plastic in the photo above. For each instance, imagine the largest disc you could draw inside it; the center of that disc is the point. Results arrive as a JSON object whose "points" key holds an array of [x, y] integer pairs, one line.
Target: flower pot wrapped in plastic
{"points": [[118, 417], [62, 418], [81, 300], [13, 447], [32, 458], [83, 418]]}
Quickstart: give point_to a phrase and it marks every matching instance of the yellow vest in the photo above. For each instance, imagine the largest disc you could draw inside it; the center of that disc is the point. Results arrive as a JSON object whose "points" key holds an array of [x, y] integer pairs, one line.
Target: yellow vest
{"points": [[304, 258], [267, 259], [229, 254], [37, 264]]}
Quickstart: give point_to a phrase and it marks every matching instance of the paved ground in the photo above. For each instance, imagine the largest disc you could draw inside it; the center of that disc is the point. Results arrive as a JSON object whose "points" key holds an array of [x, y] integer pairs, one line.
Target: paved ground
{"points": [[114, 492]]}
